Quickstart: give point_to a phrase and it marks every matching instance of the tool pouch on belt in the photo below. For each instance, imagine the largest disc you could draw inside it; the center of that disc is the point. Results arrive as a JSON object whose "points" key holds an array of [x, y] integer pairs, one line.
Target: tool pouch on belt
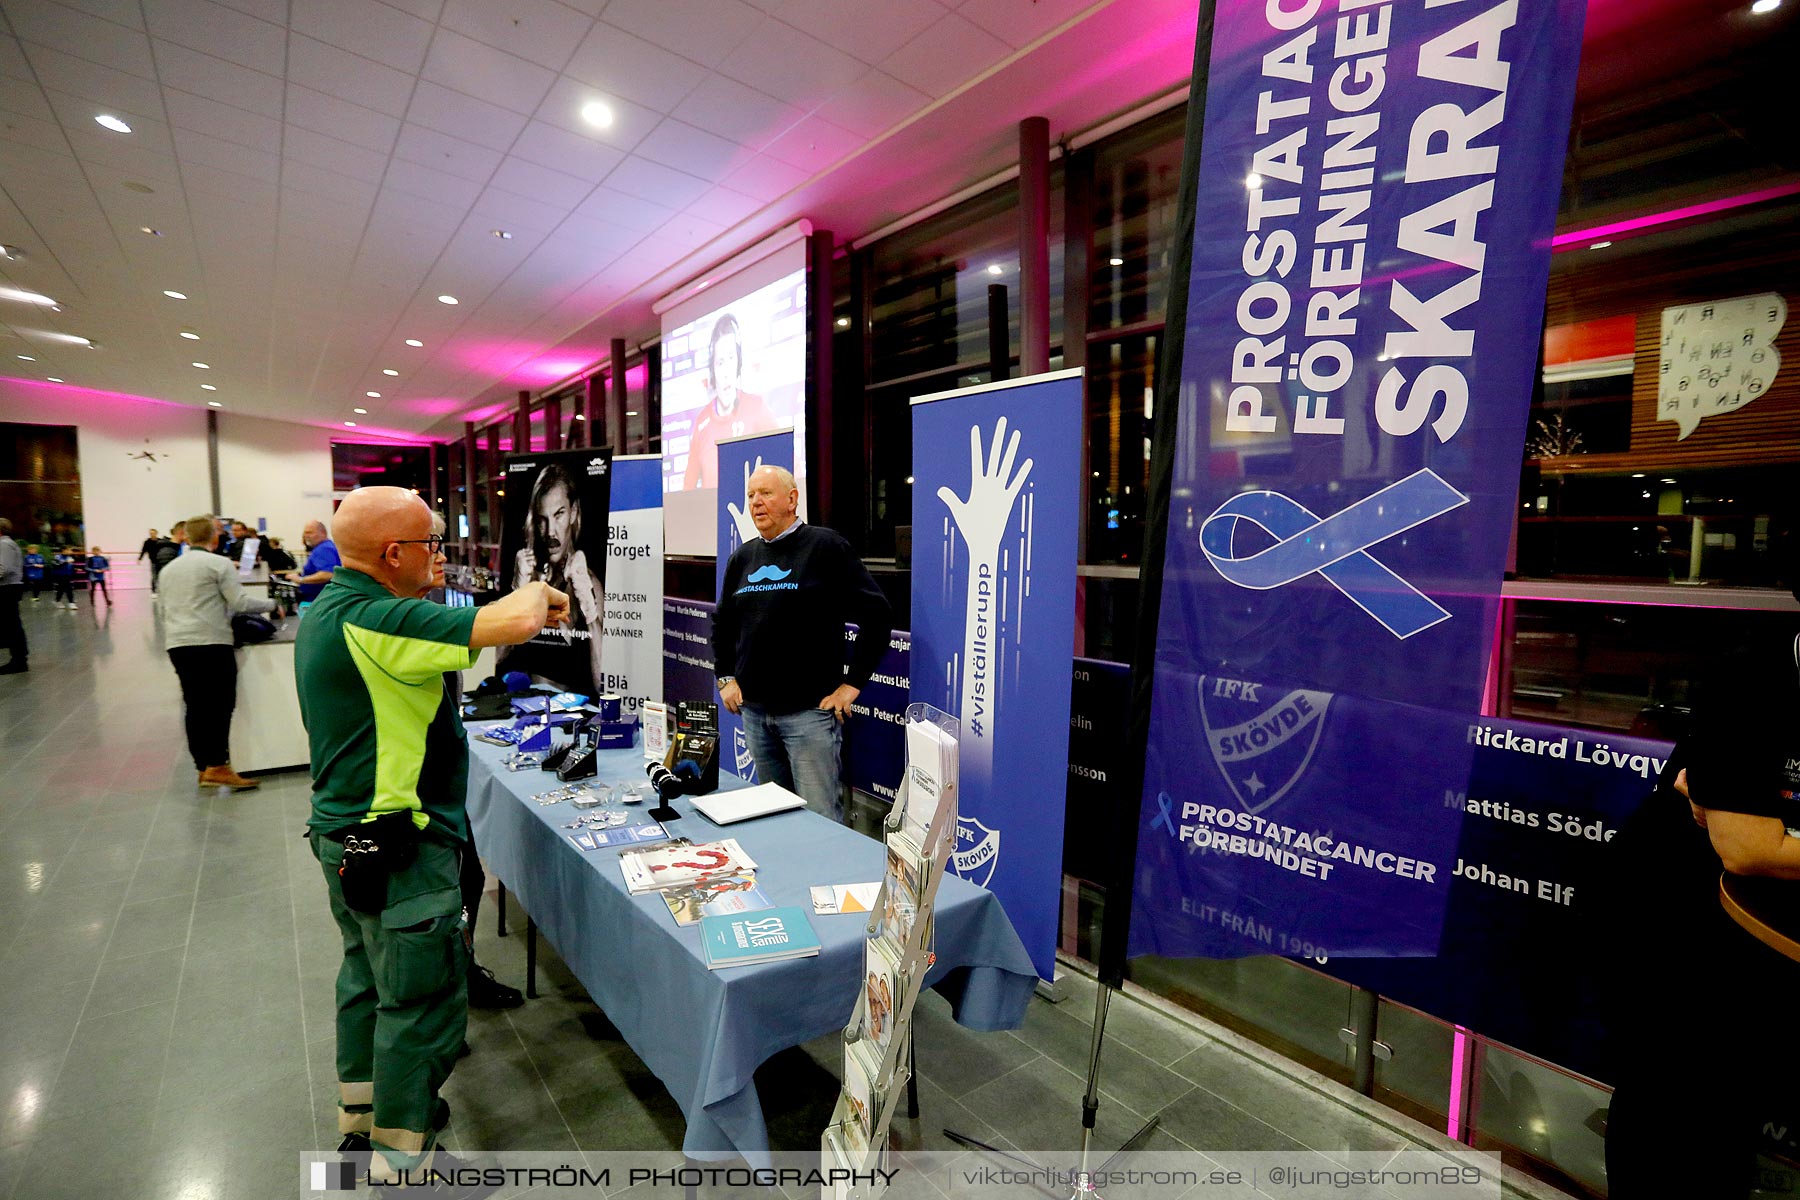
{"points": [[372, 852]]}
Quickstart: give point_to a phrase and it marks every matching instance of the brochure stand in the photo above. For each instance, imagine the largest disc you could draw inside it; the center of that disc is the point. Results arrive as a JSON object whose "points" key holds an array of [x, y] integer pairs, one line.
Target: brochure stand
{"points": [[897, 954]]}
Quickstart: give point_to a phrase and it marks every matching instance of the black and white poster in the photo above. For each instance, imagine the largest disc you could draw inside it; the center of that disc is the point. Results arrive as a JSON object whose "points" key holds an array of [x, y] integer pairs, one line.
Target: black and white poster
{"points": [[555, 528]]}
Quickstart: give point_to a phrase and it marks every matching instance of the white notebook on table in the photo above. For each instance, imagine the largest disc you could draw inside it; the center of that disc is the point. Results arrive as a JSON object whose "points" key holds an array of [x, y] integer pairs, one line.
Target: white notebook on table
{"points": [[725, 808]]}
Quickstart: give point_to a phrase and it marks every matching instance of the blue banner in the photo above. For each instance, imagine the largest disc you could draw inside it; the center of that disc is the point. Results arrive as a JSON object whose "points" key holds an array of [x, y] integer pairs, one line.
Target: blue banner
{"points": [[737, 459], [687, 650], [1373, 212], [996, 507], [875, 734], [631, 643]]}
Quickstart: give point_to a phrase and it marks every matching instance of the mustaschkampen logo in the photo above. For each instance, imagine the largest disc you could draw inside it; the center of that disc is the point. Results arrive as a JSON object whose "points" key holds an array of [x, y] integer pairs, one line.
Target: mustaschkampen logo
{"points": [[1261, 740], [766, 574]]}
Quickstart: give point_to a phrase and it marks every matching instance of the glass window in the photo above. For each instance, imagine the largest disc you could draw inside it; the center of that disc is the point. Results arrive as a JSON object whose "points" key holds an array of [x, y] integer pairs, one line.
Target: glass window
{"points": [[1136, 177], [1120, 378]]}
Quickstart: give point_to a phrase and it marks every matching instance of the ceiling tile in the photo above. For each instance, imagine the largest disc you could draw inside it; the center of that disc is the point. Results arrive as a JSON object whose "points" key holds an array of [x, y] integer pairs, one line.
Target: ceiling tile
{"points": [[21, 130], [873, 104], [487, 74], [597, 235], [318, 150], [213, 152], [417, 181], [652, 181], [340, 73], [571, 153], [813, 144], [785, 63], [320, 113], [425, 10], [368, 27], [120, 12], [104, 86], [19, 96], [618, 208], [706, 36], [222, 121], [542, 31], [497, 209], [946, 56], [725, 207], [766, 178], [214, 184], [217, 79], [267, 10], [677, 144], [621, 64], [401, 217], [688, 232], [219, 31], [353, 198], [631, 121], [523, 178], [464, 116], [729, 109], [86, 37], [869, 32], [1019, 22], [429, 148]]}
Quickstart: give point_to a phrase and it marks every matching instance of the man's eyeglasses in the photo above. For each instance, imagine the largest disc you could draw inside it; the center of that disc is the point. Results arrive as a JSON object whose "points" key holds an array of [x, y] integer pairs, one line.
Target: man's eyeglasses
{"points": [[435, 542]]}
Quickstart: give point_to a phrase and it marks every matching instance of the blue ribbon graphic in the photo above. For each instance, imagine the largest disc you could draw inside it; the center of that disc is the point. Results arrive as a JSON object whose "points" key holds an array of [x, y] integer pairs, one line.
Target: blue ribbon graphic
{"points": [[1166, 816], [1336, 547]]}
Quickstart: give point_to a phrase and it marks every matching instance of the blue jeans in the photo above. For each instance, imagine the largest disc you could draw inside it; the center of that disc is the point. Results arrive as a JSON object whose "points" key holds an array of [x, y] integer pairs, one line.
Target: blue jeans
{"points": [[799, 751]]}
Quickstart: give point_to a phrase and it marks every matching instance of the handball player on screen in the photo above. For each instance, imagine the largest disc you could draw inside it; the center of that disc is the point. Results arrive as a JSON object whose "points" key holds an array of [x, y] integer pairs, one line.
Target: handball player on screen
{"points": [[729, 412], [553, 553]]}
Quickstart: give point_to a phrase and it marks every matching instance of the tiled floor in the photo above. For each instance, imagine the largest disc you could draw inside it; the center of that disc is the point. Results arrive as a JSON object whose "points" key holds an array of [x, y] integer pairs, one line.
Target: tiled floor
{"points": [[166, 968]]}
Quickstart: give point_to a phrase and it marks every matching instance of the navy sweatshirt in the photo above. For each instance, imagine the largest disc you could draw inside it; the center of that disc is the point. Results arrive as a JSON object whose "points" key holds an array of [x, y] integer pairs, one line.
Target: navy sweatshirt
{"points": [[780, 623]]}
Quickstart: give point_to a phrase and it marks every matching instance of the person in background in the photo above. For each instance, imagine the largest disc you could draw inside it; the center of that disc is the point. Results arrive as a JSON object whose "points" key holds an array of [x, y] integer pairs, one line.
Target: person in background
{"points": [[62, 580], [97, 567], [729, 411], [390, 761], [34, 572], [321, 560], [12, 590], [167, 551], [150, 545], [226, 544], [200, 593], [279, 560], [485, 991], [240, 533]]}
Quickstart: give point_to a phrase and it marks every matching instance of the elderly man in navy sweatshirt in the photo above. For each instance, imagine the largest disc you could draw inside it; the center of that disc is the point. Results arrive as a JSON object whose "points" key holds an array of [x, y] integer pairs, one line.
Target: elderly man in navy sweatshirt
{"points": [[778, 641]]}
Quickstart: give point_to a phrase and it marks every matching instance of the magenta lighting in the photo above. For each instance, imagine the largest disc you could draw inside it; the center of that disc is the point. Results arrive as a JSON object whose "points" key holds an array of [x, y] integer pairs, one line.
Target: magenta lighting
{"points": [[1578, 238]]}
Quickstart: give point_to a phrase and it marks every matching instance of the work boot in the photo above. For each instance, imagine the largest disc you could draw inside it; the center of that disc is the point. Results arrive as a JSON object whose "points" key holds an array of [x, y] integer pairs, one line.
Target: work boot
{"points": [[487, 992], [17, 666], [224, 776]]}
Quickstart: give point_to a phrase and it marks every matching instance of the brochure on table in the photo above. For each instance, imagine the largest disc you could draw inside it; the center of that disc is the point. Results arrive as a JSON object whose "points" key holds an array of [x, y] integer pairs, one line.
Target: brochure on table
{"points": [[897, 953]]}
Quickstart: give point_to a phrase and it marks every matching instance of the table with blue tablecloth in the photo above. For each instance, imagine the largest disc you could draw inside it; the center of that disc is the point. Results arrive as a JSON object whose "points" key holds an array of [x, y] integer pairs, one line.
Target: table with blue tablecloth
{"points": [[704, 1032]]}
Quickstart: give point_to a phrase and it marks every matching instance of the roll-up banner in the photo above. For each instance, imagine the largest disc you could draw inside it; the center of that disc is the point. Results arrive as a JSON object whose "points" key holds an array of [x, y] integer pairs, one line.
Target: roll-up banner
{"points": [[996, 506], [738, 458], [687, 650], [556, 529], [1375, 195], [631, 647]]}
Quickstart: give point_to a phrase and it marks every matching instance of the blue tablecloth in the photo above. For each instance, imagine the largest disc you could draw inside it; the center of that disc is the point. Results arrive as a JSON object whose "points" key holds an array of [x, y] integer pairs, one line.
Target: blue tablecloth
{"points": [[704, 1032]]}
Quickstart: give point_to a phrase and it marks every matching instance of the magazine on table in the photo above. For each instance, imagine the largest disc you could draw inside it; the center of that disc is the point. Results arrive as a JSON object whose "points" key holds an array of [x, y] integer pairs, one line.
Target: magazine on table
{"points": [[758, 937], [723, 896], [834, 898], [671, 865]]}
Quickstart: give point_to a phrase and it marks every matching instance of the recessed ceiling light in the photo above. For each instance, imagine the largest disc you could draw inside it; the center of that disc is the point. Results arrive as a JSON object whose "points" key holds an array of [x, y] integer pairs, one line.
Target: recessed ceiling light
{"points": [[351, 424], [1115, 262], [447, 299], [1668, 481], [26, 358], [1638, 475], [994, 269], [631, 412], [373, 395], [54, 378], [1599, 245], [504, 235], [581, 416], [207, 387], [11, 252], [25, 297], [597, 113], [414, 342], [1765, 6], [142, 189], [204, 366], [389, 371], [108, 121], [843, 322], [190, 335], [174, 295], [361, 412], [214, 404], [150, 231]]}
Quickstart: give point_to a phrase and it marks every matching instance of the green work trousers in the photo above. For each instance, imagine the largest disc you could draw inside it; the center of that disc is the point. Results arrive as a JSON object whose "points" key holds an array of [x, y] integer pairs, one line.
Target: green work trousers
{"points": [[402, 1001]]}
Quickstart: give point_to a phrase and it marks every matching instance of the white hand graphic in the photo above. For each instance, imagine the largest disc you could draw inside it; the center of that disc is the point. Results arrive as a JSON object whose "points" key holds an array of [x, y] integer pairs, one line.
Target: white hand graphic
{"points": [[982, 520], [746, 527]]}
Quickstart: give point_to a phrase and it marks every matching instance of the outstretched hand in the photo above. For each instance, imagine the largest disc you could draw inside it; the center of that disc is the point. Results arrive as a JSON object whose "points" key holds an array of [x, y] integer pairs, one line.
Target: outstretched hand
{"points": [[982, 518]]}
